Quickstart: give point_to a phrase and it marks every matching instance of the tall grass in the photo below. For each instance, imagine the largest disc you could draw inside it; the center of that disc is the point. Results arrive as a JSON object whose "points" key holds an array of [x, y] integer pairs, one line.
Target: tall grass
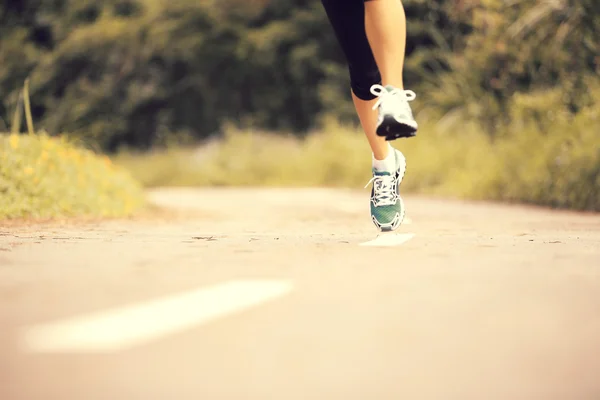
{"points": [[557, 168]]}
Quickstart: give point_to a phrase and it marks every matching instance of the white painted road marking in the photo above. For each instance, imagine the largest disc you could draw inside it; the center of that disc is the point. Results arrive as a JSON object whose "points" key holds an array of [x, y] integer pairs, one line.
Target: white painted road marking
{"points": [[138, 324], [389, 239]]}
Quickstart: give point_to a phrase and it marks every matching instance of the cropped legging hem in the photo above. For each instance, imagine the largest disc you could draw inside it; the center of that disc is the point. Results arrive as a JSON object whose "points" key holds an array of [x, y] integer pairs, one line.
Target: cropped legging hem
{"points": [[347, 18]]}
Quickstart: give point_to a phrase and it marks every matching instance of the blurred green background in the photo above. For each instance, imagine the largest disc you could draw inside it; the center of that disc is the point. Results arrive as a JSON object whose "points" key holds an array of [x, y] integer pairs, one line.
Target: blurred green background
{"points": [[202, 92]]}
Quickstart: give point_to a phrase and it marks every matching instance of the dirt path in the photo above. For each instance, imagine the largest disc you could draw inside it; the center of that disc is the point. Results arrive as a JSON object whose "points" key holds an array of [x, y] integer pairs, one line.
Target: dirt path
{"points": [[485, 302]]}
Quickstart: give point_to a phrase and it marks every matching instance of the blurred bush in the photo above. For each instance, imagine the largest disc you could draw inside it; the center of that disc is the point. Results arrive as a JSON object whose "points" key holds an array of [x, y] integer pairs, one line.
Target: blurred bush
{"points": [[140, 73], [519, 47], [48, 177]]}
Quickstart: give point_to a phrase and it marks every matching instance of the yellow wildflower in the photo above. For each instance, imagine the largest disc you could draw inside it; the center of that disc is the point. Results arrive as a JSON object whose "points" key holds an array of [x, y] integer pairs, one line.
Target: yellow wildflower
{"points": [[14, 141], [28, 170]]}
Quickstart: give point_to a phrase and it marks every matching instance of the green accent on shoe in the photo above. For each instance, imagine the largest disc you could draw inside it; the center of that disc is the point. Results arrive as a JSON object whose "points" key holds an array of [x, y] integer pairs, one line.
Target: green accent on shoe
{"points": [[387, 207]]}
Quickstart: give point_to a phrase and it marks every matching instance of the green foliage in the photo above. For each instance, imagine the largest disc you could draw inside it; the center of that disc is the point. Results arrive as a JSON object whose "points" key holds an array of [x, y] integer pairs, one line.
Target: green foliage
{"points": [[182, 66], [144, 72], [515, 47]]}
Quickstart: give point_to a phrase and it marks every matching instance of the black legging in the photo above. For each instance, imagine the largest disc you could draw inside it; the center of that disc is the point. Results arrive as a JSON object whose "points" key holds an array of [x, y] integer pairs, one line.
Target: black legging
{"points": [[347, 17]]}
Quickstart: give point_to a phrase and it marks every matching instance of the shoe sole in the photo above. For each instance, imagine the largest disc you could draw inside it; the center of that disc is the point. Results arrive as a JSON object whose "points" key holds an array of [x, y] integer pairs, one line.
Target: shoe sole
{"points": [[392, 129], [390, 229]]}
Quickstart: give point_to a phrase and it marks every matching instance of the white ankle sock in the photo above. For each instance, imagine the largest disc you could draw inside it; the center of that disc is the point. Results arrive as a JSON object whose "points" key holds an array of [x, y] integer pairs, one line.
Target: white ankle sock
{"points": [[387, 164]]}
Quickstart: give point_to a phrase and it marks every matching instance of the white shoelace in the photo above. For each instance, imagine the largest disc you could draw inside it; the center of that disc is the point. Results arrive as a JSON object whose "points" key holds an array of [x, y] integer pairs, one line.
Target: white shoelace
{"points": [[384, 190], [397, 95]]}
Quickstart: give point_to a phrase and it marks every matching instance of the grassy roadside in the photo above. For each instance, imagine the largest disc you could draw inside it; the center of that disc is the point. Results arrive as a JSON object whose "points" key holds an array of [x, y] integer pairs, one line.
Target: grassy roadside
{"points": [[45, 177], [558, 168]]}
